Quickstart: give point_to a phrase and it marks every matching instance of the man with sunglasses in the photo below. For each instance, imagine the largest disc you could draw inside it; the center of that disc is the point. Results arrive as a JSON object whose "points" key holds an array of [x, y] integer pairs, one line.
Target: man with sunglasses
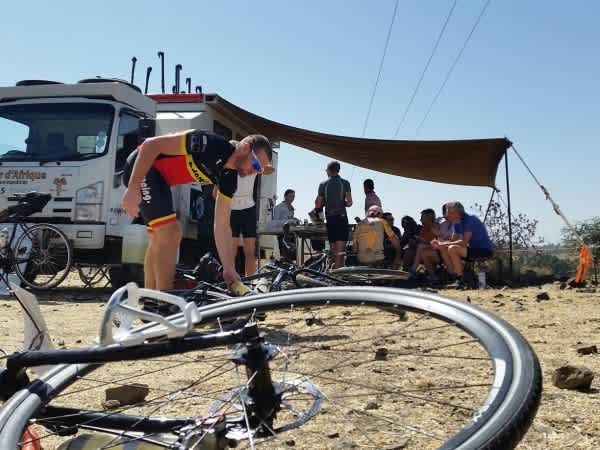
{"points": [[184, 158]]}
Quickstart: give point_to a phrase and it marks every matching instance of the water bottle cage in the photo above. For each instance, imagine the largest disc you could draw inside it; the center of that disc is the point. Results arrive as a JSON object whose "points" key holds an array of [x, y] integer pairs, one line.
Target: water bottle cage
{"points": [[124, 307]]}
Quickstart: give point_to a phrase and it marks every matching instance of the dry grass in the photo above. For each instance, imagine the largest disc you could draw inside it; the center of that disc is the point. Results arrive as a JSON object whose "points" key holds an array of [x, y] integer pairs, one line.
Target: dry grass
{"points": [[566, 419]]}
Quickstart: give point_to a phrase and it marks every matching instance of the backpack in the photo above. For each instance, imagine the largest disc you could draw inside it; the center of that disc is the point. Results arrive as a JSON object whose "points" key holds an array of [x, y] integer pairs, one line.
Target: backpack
{"points": [[369, 236]]}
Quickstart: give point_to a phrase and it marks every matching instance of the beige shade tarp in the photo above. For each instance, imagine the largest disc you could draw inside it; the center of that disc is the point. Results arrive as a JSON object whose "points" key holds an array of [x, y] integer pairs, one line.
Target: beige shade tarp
{"points": [[472, 162]]}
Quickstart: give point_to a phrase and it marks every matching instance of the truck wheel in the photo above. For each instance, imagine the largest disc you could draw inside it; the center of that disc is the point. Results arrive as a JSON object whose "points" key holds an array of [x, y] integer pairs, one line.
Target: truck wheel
{"points": [[123, 274]]}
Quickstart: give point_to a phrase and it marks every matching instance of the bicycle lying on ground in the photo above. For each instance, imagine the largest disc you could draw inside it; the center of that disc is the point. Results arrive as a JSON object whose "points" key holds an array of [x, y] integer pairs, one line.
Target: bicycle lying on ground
{"points": [[40, 254], [326, 368]]}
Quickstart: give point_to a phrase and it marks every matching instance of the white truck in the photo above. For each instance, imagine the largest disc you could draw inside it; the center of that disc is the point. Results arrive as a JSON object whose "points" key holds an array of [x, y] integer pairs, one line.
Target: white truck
{"points": [[72, 140]]}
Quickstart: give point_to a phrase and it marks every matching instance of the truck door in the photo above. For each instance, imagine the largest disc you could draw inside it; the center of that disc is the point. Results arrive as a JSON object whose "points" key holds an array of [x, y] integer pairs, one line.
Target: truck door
{"points": [[128, 139]]}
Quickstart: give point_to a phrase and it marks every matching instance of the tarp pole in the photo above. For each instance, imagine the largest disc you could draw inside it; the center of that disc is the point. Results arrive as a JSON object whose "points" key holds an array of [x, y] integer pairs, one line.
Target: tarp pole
{"points": [[487, 211], [510, 235]]}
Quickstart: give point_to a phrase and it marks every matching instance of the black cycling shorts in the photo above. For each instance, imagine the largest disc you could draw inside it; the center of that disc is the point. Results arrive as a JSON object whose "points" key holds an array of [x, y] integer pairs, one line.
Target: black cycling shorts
{"points": [[337, 228], [243, 222], [156, 208]]}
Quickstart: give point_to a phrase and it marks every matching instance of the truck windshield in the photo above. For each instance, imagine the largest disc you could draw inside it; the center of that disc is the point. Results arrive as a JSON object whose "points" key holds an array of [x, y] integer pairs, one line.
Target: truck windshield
{"points": [[54, 131]]}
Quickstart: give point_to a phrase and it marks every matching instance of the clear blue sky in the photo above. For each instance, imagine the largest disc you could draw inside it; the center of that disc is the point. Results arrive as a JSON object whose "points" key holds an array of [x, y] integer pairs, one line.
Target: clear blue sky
{"points": [[531, 72]]}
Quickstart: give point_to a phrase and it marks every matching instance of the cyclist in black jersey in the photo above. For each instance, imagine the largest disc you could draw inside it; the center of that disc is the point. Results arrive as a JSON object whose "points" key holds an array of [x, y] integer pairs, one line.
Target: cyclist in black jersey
{"points": [[182, 158]]}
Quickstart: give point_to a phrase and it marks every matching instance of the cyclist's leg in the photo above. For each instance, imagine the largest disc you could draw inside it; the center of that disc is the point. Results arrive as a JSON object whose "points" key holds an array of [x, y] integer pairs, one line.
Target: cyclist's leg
{"points": [[165, 234], [165, 244], [250, 255], [249, 232], [236, 231]]}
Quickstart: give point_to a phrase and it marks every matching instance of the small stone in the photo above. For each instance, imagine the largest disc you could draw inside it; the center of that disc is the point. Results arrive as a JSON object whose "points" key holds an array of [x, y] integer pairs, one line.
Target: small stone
{"points": [[586, 291], [61, 343], [402, 443], [587, 349], [499, 296], [128, 393], [563, 286], [310, 319], [78, 341], [346, 313], [325, 347], [468, 299], [290, 443], [111, 404], [570, 377], [424, 384], [381, 354], [333, 435], [371, 405], [542, 296]]}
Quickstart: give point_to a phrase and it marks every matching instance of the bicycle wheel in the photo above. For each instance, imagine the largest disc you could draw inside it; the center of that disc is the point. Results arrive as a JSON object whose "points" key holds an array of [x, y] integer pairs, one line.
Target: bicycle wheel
{"points": [[369, 275], [43, 256], [93, 275], [346, 370]]}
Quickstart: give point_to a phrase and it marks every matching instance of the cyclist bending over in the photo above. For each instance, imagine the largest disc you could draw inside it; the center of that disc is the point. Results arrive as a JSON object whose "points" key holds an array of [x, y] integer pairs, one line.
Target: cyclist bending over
{"points": [[184, 158]]}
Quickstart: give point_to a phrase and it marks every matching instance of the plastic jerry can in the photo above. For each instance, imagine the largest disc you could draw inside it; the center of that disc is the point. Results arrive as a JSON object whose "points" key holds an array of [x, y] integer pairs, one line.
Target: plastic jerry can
{"points": [[135, 242]]}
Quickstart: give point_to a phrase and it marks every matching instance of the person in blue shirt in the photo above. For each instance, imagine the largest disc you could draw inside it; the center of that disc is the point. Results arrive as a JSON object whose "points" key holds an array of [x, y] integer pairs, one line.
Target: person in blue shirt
{"points": [[474, 243]]}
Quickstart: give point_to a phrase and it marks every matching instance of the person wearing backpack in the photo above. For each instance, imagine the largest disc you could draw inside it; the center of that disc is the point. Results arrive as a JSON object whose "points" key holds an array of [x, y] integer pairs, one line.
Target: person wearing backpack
{"points": [[335, 195], [369, 236]]}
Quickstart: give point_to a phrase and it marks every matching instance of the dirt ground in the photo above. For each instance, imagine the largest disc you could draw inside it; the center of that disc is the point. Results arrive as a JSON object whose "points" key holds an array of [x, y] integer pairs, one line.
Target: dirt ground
{"points": [[554, 327]]}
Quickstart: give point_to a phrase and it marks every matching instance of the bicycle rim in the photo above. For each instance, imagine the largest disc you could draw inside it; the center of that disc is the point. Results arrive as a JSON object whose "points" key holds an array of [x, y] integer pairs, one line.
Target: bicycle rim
{"points": [[368, 275], [448, 375]]}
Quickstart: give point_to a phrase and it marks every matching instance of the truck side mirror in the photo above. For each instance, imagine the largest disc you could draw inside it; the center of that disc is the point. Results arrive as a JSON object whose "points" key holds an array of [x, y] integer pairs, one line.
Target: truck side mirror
{"points": [[147, 128]]}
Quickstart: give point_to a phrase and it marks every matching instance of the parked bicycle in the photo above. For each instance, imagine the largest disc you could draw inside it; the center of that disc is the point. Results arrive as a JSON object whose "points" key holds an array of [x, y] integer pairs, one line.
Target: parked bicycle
{"points": [[327, 368], [40, 254]]}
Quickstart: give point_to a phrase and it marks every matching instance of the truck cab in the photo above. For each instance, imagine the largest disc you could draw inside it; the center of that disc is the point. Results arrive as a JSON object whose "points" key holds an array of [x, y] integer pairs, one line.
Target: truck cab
{"points": [[72, 140]]}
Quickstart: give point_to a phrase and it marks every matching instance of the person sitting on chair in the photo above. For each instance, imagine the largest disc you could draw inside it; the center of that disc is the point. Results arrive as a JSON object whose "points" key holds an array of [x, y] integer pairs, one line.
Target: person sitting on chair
{"points": [[408, 241], [474, 243], [426, 254], [368, 237]]}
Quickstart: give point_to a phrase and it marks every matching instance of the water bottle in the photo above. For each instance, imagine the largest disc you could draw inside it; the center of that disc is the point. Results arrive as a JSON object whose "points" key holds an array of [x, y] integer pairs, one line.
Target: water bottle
{"points": [[3, 238], [262, 286], [482, 280]]}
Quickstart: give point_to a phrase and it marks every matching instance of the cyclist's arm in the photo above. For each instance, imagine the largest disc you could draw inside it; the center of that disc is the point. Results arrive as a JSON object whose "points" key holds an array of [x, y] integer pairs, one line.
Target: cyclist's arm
{"points": [[149, 151], [348, 199], [348, 194], [319, 202]]}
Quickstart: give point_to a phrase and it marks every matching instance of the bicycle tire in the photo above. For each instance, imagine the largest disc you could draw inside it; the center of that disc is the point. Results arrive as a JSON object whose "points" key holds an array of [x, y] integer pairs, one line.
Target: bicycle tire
{"points": [[27, 278], [94, 275], [369, 274], [500, 423]]}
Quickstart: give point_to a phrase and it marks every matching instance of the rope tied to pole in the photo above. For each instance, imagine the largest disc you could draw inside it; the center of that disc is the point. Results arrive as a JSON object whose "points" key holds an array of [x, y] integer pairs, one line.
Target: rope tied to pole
{"points": [[585, 259]]}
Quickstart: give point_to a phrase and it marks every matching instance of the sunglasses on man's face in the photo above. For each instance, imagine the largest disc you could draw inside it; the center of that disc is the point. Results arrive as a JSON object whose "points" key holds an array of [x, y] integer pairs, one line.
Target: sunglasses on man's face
{"points": [[256, 165]]}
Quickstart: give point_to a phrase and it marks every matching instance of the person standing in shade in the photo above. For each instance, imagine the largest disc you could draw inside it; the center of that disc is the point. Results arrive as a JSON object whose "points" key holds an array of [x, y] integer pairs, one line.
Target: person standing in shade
{"points": [[335, 195], [371, 198], [285, 211], [244, 218]]}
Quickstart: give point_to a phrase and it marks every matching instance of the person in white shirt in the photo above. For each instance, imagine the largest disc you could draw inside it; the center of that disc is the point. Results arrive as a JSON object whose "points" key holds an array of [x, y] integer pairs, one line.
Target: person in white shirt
{"points": [[285, 211], [244, 220]]}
